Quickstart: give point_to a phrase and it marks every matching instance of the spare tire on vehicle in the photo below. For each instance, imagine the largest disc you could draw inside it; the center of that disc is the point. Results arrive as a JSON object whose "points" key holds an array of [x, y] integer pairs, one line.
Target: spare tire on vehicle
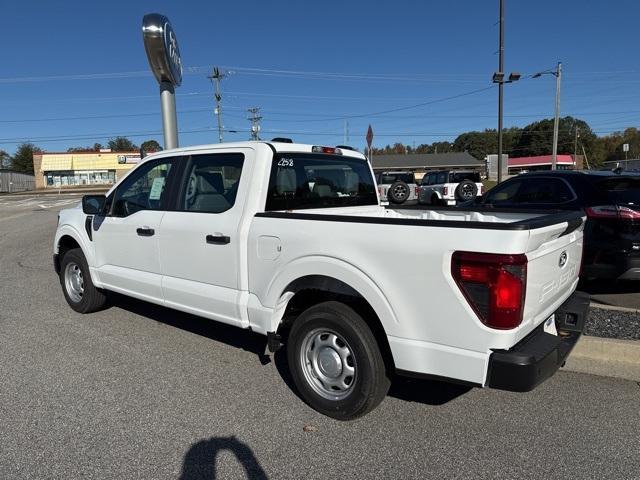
{"points": [[466, 190], [398, 192]]}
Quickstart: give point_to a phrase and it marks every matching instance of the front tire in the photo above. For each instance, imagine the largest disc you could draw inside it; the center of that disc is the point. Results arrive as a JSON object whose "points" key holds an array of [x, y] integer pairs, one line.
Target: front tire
{"points": [[78, 289], [335, 361]]}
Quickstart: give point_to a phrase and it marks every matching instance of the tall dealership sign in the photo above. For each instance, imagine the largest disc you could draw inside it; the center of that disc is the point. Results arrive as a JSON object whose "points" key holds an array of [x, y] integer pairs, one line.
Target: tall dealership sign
{"points": [[164, 59]]}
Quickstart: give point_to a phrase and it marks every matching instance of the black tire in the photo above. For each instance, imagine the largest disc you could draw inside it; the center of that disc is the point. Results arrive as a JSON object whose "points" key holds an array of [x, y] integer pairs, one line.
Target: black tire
{"points": [[435, 200], [398, 192], [90, 299], [370, 381], [466, 190]]}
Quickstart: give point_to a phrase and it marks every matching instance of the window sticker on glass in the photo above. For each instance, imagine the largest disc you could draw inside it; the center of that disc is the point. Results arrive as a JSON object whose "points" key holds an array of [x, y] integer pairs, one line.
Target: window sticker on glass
{"points": [[285, 162], [156, 188]]}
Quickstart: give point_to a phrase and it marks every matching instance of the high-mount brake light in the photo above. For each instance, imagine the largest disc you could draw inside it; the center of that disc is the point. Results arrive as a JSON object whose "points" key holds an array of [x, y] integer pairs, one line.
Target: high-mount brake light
{"points": [[493, 284], [612, 211], [320, 149]]}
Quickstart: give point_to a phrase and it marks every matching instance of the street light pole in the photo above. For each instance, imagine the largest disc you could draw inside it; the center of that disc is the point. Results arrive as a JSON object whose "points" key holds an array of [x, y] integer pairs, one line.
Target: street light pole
{"points": [[556, 123]]}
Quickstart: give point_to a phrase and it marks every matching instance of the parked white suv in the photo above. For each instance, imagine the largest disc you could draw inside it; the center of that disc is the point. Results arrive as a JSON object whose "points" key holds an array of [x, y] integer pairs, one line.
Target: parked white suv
{"points": [[290, 241], [397, 187], [448, 187]]}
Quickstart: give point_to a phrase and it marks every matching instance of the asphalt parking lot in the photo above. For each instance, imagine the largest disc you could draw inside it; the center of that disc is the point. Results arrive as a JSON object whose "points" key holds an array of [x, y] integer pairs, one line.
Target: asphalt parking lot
{"points": [[139, 391]]}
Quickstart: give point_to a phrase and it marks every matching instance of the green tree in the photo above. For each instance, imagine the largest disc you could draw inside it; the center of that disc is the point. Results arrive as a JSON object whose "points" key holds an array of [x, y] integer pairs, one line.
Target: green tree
{"points": [[5, 159], [151, 146], [23, 158], [122, 144]]}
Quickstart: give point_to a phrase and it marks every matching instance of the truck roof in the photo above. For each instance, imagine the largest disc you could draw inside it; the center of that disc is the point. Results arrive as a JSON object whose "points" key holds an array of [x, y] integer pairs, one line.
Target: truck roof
{"points": [[277, 146]]}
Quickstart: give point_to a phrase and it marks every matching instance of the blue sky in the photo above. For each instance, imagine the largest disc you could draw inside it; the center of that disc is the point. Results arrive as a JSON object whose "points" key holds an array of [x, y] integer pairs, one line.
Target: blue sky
{"points": [[366, 57]]}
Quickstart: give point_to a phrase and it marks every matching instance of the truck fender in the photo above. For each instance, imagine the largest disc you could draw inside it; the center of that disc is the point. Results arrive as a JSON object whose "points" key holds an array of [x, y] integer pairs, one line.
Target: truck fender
{"points": [[298, 273], [70, 231]]}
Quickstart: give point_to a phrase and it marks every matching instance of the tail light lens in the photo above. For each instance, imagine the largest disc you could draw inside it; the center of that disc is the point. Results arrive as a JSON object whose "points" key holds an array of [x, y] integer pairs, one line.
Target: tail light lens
{"points": [[612, 211], [445, 191], [320, 149], [494, 285]]}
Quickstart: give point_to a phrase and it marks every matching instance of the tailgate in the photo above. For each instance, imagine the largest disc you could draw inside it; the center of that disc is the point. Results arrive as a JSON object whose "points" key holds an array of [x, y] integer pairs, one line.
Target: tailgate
{"points": [[554, 256]]}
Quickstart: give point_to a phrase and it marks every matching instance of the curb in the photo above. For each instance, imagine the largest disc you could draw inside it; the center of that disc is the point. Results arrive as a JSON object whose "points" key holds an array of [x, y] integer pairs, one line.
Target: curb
{"points": [[606, 357]]}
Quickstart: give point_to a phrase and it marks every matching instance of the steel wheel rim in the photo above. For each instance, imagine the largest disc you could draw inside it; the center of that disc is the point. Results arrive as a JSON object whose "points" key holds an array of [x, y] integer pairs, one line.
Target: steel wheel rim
{"points": [[74, 282], [328, 364], [400, 192]]}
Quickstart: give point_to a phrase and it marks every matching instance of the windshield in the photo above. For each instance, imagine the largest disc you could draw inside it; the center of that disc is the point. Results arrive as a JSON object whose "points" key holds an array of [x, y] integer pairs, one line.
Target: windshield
{"points": [[457, 177], [387, 178], [302, 180], [622, 190]]}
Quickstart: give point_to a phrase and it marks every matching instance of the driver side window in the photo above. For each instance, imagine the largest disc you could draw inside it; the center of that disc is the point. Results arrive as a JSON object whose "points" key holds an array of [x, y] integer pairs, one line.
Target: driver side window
{"points": [[143, 189]]}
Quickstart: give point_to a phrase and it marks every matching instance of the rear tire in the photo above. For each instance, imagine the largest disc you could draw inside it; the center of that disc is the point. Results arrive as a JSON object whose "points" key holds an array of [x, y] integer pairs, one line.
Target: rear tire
{"points": [[78, 289], [335, 361]]}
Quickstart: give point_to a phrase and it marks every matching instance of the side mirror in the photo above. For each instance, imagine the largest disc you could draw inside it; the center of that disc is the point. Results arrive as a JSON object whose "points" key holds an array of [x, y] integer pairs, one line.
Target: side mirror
{"points": [[93, 204]]}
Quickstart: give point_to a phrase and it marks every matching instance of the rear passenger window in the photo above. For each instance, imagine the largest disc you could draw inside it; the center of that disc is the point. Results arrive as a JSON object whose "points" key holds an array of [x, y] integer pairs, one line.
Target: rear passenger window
{"points": [[442, 178], [544, 191], [211, 182], [300, 181]]}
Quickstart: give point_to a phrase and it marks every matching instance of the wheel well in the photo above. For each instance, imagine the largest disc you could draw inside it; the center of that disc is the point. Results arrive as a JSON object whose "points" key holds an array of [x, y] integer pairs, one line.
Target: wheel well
{"points": [[65, 244], [315, 289]]}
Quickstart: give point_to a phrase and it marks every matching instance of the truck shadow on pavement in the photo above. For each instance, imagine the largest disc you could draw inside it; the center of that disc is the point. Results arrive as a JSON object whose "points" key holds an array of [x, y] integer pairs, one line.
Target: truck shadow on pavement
{"points": [[200, 461], [429, 392]]}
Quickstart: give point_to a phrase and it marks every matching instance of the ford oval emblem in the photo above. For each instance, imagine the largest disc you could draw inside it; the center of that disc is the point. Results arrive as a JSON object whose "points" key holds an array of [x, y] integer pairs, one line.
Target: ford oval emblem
{"points": [[562, 261]]}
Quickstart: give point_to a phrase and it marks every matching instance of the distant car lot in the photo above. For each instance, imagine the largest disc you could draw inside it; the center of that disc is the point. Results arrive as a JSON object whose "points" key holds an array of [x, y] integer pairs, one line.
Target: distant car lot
{"points": [[139, 391]]}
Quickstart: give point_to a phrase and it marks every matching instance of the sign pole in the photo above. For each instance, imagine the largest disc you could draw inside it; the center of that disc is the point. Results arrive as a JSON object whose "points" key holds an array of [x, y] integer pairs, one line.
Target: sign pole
{"points": [[169, 117]]}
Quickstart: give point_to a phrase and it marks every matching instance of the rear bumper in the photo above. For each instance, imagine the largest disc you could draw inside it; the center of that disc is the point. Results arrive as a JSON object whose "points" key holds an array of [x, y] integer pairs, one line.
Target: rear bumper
{"points": [[539, 355]]}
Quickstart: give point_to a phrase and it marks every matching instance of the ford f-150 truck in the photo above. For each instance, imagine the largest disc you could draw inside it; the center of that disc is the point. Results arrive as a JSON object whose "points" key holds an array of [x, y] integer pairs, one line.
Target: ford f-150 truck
{"points": [[291, 241]]}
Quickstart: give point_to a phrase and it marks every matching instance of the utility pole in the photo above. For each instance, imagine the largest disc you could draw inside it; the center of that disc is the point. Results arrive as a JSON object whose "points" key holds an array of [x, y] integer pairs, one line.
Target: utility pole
{"points": [[575, 147], [215, 78], [500, 89], [255, 122], [346, 132], [556, 123]]}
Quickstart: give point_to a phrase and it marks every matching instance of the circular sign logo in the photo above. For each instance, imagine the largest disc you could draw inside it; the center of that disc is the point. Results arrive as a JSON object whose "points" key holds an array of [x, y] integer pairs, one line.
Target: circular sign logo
{"points": [[173, 53]]}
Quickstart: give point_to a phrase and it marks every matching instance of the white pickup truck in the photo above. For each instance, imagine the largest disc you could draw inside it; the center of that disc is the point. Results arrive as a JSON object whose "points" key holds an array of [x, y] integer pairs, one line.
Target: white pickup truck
{"points": [[291, 241]]}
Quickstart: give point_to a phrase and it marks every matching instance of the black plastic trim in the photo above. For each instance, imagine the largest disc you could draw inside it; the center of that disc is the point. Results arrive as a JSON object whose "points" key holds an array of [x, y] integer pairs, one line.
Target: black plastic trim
{"points": [[537, 222], [88, 223], [539, 355]]}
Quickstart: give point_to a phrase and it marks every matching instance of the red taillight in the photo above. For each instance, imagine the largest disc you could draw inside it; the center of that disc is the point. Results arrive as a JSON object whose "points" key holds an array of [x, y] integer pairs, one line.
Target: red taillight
{"points": [[493, 284], [612, 211], [481, 189], [445, 191]]}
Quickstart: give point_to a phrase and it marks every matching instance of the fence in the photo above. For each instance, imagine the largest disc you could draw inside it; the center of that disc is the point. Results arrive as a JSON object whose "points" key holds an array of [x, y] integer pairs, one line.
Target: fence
{"points": [[11, 181]]}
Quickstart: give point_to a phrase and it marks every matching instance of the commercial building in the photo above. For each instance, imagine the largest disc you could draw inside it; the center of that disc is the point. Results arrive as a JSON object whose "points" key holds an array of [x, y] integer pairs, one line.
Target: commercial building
{"points": [[56, 170], [419, 163], [543, 162]]}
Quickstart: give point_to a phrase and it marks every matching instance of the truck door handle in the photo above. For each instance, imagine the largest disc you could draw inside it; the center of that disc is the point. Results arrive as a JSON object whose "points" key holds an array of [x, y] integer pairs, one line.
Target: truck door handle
{"points": [[145, 232], [218, 239]]}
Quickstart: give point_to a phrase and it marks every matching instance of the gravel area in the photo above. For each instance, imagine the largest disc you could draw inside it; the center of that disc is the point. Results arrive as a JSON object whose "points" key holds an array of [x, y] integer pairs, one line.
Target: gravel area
{"points": [[610, 323]]}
